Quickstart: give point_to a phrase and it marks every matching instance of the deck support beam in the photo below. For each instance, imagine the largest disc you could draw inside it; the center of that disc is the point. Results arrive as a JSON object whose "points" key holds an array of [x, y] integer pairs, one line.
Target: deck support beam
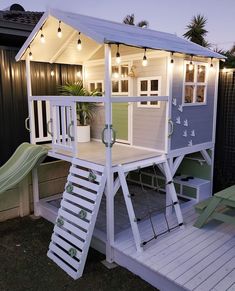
{"points": [[109, 185]]}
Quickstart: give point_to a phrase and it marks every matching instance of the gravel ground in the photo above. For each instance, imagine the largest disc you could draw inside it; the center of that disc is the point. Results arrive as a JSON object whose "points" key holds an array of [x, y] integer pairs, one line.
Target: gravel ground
{"points": [[24, 265]]}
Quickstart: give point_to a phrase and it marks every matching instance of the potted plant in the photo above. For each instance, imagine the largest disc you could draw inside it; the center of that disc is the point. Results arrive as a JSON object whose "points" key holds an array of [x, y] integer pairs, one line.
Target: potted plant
{"points": [[85, 110]]}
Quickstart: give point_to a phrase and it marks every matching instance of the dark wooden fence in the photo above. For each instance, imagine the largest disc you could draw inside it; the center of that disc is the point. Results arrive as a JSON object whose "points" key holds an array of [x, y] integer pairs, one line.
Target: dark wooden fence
{"points": [[13, 95], [224, 174]]}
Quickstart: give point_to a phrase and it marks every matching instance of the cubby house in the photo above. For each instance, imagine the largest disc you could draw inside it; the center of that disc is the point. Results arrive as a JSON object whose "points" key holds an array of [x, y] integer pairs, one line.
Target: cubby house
{"points": [[158, 104]]}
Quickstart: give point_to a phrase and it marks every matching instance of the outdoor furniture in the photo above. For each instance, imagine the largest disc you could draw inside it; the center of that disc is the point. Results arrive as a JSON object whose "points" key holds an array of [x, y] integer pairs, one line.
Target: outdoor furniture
{"points": [[210, 208]]}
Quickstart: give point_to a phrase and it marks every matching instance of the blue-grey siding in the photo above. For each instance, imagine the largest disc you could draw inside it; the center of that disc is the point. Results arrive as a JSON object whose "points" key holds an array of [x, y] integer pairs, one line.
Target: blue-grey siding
{"points": [[200, 117]]}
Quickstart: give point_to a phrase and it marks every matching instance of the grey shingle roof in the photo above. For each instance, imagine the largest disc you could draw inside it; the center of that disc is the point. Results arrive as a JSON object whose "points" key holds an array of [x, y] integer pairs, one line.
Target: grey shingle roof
{"points": [[20, 17]]}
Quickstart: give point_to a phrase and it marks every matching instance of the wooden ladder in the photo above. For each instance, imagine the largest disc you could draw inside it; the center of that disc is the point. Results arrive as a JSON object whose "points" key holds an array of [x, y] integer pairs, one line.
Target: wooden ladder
{"points": [[77, 216]]}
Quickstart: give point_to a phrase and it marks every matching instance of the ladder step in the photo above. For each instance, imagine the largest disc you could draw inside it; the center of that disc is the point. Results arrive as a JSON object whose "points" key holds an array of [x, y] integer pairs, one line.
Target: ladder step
{"points": [[64, 256], [75, 209], [85, 174], [74, 229], [83, 183], [63, 265], [73, 219], [79, 201], [84, 193], [69, 237], [65, 245]]}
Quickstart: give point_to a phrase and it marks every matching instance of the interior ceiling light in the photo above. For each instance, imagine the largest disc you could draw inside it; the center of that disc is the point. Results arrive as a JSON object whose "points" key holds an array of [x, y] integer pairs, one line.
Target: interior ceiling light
{"points": [[42, 37], [118, 57], [59, 31], [79, 44], [145, 60]]}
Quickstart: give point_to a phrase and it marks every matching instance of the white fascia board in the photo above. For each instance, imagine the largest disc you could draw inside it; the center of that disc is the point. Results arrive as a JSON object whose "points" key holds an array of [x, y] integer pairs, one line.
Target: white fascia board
{"points": [[31, 37]]}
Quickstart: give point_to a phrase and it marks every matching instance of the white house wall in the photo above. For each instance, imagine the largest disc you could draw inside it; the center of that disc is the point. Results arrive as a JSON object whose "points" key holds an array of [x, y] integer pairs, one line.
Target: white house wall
{"points": [[148, 123], [199, 117]]}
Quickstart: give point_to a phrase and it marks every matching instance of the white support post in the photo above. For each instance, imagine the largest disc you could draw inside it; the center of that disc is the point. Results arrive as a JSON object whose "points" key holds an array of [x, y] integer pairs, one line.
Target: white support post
{"points": [[171, 189], [30, 103], [32, 135], [207, 157], [170, 69], [109, 184], [176, 164]]}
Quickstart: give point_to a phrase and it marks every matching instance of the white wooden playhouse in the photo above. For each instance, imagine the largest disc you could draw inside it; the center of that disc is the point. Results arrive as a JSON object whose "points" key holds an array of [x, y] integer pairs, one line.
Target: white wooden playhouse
{"points": [[159, 97]]}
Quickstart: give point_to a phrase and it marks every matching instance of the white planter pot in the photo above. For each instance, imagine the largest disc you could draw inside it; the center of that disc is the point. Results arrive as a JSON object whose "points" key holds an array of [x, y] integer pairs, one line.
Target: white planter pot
{"points": [[83, 133]]}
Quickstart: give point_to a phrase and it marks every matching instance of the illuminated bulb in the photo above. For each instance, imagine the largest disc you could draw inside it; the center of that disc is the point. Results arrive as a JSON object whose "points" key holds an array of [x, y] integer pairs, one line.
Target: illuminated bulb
{"points": [[190, 66], [224, 70], [118, 57], [115, 75], [145, 61], [79, 74], [52, 73], [59, 31], [42, 37], [200, 70], [30, 56], [79, 45]]}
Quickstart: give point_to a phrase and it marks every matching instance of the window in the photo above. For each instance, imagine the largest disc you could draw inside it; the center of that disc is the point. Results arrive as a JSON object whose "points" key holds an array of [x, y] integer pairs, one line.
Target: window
{"points": [[149, 87], [96, 85], [120, 79], [195, 83]]}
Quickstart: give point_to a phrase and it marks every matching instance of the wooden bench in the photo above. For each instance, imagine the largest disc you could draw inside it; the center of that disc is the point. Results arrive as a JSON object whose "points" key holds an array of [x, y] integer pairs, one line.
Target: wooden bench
{"points": [[211, 208]]}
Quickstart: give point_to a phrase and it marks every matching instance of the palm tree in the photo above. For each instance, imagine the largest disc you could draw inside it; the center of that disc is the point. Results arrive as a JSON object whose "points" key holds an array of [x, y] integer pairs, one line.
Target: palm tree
{"points": [[230, 54], [196, 30], [130, 20]]}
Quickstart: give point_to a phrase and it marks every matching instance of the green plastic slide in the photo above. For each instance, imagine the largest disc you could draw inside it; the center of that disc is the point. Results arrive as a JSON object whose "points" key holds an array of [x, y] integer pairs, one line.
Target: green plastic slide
{"points": [[25, 158]]}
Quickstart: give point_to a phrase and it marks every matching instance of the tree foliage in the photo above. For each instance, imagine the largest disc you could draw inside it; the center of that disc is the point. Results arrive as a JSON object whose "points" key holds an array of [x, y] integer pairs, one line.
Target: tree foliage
{"points": [[196, 31], [130, 20]]}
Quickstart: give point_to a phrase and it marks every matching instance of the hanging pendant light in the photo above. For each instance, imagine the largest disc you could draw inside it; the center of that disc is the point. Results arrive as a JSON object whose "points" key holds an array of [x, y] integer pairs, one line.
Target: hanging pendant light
{"points": [[30, 53], [59, 31], [172, 57], [42, 37], [211, 63], [145, 60], [79, 44], [118, 56], [191, 63]]}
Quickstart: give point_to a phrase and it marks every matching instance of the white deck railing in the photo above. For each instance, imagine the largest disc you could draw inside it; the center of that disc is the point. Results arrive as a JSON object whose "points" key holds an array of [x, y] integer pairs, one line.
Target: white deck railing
{"points": [[54, 118]]}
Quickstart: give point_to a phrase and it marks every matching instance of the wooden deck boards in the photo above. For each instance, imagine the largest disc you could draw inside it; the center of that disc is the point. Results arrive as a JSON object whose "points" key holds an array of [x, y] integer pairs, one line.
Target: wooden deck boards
{"points": [[121, 154], [195, 259]]}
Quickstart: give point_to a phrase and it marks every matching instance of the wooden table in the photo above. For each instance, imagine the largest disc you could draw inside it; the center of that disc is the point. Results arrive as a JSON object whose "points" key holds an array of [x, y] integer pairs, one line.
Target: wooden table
{"points": [[209, 207]]}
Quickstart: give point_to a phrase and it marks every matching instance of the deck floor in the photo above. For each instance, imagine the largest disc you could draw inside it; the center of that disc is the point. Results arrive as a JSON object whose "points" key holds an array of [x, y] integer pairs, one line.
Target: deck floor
{"points": [[94, 152], [188, 259], [192, 259]]}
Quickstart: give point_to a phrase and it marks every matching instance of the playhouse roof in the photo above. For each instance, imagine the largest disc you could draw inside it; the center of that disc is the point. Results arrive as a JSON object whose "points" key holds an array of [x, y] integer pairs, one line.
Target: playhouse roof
{"points": [[107, 32]]}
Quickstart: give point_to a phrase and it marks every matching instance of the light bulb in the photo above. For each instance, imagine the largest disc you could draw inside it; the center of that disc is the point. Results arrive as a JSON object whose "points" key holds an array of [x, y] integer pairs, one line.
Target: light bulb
{"points": [[79, 74], [30, 56], [211, 63], [190, 66], [43, 40], [172, 58], [59, 31], [52, 72], [145, 61], [118, 58], [79, 45]]}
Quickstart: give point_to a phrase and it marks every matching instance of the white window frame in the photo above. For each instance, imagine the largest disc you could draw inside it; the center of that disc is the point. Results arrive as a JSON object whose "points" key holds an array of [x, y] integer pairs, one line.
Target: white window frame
{"points": [[195, 84], [149, 92], [120, 79], [97, 81]]}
